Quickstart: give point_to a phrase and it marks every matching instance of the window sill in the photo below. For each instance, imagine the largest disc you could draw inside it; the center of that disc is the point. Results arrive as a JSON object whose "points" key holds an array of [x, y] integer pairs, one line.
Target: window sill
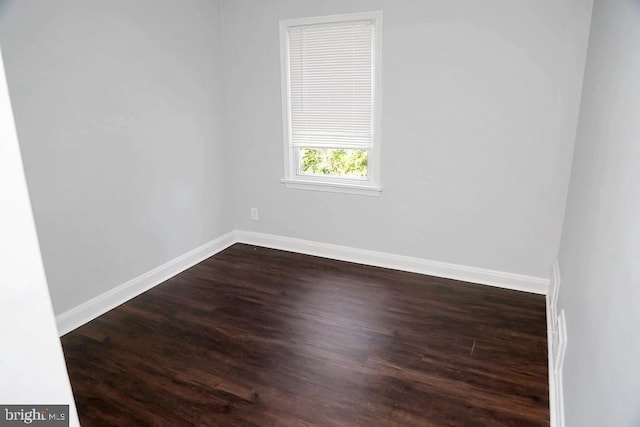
{"points": [[363, 190]]}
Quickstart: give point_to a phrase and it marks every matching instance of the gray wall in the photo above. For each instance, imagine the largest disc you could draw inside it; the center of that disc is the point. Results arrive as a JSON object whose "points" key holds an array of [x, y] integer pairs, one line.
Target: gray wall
{"points": [[600, 250], [480, 103], [118, 106], [141, 142]]}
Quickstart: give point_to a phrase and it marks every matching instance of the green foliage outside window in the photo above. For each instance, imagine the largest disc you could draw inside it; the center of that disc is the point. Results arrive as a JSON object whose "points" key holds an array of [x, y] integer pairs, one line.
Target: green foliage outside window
{"points": [[334, 162]]}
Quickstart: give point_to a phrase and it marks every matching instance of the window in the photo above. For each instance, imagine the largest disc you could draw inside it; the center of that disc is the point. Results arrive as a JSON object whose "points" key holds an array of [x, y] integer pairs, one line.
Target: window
{"points": [[331, 102]]}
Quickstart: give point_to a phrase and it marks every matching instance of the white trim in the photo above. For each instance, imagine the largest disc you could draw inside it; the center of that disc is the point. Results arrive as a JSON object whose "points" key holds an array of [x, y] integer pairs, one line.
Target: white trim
{"points": [[518, 282], [332, 187], [374, 170], [550, 368], [89, 310], [554, 292], [556, 345], [557, 372], [285, 76], [292, 179], [340, 17]]}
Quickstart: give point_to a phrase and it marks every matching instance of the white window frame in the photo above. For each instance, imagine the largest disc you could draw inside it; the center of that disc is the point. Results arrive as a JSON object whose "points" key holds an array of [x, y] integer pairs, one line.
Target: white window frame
{"points": [[292, 178]]}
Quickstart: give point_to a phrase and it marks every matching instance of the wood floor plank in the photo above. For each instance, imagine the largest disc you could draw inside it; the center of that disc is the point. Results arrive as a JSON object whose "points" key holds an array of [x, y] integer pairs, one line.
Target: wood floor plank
{"points": [[260, 337]]}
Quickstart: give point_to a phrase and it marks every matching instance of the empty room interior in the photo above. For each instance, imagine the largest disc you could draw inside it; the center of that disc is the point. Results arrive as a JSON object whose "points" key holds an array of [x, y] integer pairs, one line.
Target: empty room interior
{"points": [[335, 213]]}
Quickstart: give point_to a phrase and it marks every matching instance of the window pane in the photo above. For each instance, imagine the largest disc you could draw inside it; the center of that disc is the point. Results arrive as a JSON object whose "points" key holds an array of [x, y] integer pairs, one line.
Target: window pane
{"points": [[333, 162]]}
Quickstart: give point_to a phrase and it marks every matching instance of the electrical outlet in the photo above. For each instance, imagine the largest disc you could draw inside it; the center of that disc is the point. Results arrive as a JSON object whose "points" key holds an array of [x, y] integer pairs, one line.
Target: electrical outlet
{"points": [[254, 214]]}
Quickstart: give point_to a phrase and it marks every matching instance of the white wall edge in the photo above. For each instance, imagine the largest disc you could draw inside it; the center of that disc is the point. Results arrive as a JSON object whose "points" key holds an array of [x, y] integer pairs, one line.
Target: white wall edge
{"points": [[552, 301], [550, 356], [536, 285], [556, 272], [556, 398], [558, 362], [89, 310], [556, 288]]}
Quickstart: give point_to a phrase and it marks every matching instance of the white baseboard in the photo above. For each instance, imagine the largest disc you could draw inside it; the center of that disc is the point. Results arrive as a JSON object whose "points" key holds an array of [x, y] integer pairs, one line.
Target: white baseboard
{"points": [[99, 305], [85, 312], [482, 276]]}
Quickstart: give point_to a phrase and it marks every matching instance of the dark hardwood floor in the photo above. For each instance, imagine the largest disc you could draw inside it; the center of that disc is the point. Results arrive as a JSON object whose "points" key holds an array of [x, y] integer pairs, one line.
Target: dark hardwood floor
{"points": [[260, 337]]}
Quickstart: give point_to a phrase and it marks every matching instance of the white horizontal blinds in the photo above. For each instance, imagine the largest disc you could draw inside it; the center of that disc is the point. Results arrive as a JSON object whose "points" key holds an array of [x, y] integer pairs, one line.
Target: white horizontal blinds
{"points": [[331, 84]]}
